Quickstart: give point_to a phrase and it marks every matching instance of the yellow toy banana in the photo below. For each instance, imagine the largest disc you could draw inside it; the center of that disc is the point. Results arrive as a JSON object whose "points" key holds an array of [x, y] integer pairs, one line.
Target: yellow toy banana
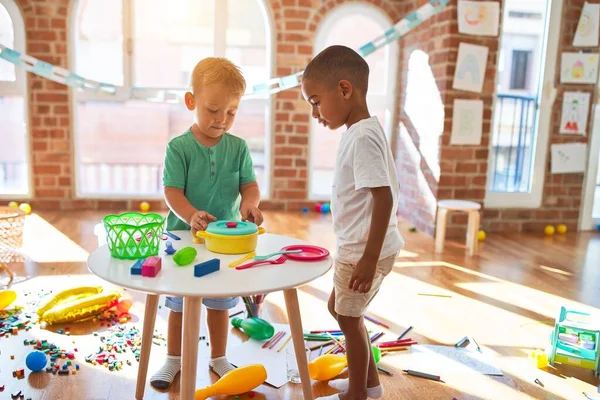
{"points": [[237, 381], [81, 308], [6, 298], [69, 295]]}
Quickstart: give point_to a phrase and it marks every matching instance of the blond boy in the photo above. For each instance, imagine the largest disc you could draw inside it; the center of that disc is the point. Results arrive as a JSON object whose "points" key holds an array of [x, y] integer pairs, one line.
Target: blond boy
{"points": [[208, 176]]}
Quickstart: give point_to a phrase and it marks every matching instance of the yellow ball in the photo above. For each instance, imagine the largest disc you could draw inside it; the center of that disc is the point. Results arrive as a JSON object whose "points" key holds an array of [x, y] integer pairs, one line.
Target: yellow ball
{"points": [[481, 235], [549, 230], [144, 206], [25, 207], [561, 228], [13, 204]]}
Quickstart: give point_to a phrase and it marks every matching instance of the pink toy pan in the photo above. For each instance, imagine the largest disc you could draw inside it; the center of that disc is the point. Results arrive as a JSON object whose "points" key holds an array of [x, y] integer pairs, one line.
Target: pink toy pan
{"points": [[309, 253]]}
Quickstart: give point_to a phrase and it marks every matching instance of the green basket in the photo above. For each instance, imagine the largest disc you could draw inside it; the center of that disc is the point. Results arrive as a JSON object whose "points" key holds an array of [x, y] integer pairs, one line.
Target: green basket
{"points": [[132, 235]]}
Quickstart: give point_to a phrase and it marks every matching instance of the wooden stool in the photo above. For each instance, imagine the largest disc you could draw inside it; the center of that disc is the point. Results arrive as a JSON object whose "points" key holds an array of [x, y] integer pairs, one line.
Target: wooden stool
{"points": [[446, 206]]}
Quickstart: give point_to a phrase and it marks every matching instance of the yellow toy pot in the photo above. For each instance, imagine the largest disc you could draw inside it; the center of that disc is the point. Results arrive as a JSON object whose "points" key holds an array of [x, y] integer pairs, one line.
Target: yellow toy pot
{"points": [[231, 237]]}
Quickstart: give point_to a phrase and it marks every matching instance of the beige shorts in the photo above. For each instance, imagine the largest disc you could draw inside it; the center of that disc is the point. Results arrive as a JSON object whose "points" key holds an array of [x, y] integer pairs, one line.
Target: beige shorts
{"points": [[354, 304]]}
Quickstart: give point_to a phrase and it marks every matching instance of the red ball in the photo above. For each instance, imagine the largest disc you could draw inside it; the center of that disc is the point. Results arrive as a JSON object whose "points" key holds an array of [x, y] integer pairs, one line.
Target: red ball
{"points": [[318, 207]]}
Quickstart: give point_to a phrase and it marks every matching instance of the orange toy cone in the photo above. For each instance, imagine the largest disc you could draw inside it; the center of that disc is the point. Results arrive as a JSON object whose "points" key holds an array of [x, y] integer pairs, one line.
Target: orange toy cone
{"points": [[237, 381]]}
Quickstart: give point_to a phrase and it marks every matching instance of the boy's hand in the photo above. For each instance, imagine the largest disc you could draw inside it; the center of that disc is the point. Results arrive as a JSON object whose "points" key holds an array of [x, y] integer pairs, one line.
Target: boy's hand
{"points": [[363, 275], [200, 220], [251, 213]]}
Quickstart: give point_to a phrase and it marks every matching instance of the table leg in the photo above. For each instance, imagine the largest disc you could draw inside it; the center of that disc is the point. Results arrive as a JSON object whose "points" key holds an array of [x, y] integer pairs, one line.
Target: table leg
{"points": [[293, 311], [189, 353], [147, 333]]}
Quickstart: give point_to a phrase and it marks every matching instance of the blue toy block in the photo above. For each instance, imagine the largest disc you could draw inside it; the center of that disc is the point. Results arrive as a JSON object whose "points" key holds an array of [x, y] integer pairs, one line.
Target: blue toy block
{"points": [[136, 269], [169, 248], [207, 267]]}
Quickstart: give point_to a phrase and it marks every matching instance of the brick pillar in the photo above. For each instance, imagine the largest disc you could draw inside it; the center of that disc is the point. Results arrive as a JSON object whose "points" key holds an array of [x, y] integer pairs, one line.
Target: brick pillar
{"points": [[464, 168], [49, 122]]}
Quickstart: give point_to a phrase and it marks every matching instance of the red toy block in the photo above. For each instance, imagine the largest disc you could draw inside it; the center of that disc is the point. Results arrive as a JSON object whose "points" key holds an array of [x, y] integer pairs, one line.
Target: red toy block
{"points": [[151, 266]]}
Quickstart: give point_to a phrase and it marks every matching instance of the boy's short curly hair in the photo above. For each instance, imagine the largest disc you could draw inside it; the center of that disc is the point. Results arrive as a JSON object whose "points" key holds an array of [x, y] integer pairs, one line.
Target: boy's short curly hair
{"points": [[213, 70], [337, 63]]}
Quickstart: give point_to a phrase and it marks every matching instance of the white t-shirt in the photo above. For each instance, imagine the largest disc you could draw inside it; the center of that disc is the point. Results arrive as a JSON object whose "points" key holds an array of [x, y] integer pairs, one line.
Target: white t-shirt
{"points": [[364, 160]]}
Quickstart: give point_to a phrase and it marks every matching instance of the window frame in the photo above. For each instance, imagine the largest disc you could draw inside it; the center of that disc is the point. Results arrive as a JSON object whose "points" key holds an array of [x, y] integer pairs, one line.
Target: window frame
{"points": [[389, 98], [547, 95], [514, 73], [19, 88], [123, 93]]}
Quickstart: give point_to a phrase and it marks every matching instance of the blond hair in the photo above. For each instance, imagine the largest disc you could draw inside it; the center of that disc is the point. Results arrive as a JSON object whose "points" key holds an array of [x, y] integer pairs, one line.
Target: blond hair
{"points": [[213, 70]]}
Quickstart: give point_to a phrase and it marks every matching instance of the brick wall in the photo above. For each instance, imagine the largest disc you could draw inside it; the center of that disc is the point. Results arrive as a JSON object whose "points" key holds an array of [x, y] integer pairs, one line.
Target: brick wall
{"points": [[49, 117], [562, 194], [462, 169]]}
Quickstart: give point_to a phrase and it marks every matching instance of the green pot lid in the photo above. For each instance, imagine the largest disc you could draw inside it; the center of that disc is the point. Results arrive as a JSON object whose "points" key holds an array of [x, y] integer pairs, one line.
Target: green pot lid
{"points": [[232, 228]]}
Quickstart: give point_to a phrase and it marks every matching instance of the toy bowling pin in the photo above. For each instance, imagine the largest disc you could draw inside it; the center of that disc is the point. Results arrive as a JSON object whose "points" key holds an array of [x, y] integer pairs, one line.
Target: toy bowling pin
{"points": [[237, 381]]}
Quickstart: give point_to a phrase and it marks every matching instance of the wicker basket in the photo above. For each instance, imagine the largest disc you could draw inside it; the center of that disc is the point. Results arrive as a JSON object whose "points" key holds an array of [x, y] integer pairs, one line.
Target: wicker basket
{"points": [[12, 224], [132, 235]]}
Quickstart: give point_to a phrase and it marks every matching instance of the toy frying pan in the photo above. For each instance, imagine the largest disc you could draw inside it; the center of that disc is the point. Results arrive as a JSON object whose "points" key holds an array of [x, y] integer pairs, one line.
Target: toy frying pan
{"points": [[309, 253]]}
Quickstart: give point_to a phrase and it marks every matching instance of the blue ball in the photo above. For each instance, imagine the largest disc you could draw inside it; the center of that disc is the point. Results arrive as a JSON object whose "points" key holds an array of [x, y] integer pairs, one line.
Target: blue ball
{"points": [[36, 361], [325, 208], [305, 210], [598, 227]]}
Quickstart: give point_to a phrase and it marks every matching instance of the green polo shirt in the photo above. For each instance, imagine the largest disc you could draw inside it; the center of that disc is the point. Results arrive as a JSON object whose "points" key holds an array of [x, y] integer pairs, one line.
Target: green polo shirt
{"points": [[209, 176]]}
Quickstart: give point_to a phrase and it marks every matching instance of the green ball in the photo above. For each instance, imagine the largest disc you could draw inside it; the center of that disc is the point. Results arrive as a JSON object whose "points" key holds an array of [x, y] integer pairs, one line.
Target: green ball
{"points": [[376, 353]]}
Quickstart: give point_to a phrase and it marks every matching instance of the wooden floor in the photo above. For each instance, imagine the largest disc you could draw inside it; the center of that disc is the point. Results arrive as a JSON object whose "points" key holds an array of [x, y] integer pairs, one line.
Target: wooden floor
{"points": [[504, 297]]}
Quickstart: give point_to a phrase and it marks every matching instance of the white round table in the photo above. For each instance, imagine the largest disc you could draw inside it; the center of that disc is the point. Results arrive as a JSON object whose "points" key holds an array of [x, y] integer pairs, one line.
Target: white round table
{"points": [[227, 282]]}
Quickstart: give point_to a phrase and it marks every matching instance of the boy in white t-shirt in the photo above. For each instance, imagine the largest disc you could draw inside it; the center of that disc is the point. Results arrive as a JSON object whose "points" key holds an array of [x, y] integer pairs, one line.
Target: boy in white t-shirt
{"points": [[363, 204]]}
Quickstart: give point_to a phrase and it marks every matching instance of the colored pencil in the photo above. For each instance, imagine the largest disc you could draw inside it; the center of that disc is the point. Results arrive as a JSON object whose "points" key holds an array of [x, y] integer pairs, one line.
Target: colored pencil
{"points": [[376, 337], [268, 343], [172, 235], [331, 331], [277, 340], [285, 343], [385, 371], [337, 341], [321, 351], [321, 345], [405, 332], [422, 375], [394, 349], [434, 295], [399, 343], [237, 313], [373, 320]]}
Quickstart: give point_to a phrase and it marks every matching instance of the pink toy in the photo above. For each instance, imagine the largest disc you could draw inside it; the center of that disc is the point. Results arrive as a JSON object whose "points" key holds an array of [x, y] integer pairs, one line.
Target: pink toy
{"points": [[151, 266]]}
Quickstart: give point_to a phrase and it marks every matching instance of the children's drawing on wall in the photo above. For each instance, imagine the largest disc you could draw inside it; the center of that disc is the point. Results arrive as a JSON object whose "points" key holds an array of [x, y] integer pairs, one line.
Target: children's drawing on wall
{"points": [[575, 113], [478, 17], [467, 122], [579, 67], [470, 67], [568, 158], [588, 27]]}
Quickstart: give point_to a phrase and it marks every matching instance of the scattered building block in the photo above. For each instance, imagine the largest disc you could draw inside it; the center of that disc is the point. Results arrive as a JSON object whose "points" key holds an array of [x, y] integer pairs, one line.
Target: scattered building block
{"points": [[151, 266], [207, 267]]}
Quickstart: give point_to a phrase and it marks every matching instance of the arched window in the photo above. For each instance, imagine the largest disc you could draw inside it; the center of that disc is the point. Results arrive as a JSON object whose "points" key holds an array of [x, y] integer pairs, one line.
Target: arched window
{"points": [[144, 45], [14, 148], [340, 27]]}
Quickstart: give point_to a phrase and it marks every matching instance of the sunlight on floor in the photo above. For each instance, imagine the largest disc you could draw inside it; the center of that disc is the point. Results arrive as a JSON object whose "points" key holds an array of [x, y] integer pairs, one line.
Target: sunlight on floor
{"points": [[43, 243]]}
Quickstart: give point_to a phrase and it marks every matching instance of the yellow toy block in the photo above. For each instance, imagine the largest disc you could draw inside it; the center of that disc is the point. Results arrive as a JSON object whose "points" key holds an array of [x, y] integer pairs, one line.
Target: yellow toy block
{"points": [[538, 358]]}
